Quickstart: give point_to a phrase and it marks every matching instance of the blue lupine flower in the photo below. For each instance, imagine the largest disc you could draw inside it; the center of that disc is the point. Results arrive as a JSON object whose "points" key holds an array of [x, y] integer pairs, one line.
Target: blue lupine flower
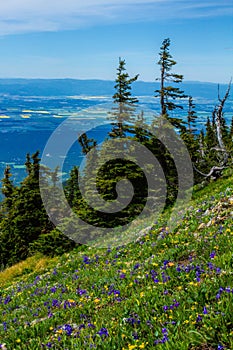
{"points": [[103, 332]]}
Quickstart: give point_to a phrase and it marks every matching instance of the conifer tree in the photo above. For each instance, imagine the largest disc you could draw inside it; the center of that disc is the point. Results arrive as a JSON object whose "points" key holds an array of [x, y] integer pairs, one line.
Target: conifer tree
{"points": [[210, 135], [26, 218], [72, 190], [7, 189], [188, 134], [124, 110], [168, 93], [191, 115], [86, 143]]}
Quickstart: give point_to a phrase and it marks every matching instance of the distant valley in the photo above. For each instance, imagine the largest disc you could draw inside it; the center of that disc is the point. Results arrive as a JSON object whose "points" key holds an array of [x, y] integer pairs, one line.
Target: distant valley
{"points": [[72, 87]]}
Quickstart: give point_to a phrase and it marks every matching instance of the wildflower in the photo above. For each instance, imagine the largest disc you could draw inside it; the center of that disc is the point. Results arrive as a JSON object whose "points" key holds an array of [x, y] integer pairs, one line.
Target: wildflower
{"points": [[71, 301], [90, 325], [7, 300], [220, 347], [86, 260], [68, 329], [55, 303], [3, 346], [131, 347], [81, 291], [212, 254], [205, 311], [132, 321], [103, 332], [198, 319]]}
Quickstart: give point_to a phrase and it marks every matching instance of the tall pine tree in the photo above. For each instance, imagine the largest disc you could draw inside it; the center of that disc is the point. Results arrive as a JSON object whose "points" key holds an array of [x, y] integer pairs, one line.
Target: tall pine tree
{"points": [[167, 92], [124, 110]]}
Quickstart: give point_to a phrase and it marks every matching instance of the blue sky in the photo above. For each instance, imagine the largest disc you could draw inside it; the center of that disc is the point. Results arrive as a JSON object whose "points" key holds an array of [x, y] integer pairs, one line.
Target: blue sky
{"points": [[83, 39]]}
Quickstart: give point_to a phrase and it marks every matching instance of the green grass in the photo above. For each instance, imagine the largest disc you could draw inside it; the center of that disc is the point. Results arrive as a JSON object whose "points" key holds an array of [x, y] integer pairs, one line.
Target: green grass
{"points": [[168, 290]]}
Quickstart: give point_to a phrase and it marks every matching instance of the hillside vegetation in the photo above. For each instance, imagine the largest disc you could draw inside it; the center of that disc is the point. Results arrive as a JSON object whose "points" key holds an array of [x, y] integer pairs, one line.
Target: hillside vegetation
{"points": [[168, 290]]}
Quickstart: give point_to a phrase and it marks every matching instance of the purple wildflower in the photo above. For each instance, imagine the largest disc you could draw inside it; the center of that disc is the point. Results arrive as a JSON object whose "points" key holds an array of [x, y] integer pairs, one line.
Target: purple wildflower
{"points": [[103, 332], [212, 254], [220, 347], [68, 328]]}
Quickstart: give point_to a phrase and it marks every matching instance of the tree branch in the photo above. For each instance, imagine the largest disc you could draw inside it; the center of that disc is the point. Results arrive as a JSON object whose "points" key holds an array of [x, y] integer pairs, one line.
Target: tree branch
{"points": [[212, 171]]}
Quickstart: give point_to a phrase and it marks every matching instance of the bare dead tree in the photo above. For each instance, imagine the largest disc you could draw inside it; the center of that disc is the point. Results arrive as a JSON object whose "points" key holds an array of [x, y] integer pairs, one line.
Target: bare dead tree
{"points": [[218, 122], [215, 171], [217, 116]]}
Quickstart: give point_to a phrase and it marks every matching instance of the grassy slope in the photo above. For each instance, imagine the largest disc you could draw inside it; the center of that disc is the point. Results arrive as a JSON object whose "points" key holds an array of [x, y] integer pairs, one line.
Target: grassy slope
{"points": [[175, 292]]}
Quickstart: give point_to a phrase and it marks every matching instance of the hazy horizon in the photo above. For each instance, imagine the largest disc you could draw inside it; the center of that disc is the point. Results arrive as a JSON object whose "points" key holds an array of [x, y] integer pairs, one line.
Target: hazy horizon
{"points": [[110, 80]]}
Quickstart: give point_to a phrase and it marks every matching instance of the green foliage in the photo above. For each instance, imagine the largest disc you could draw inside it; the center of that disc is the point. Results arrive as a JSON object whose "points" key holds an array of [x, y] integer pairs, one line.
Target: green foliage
{"points": [[51, 244], [123, 113], [192, 116], [168, 93], [72, 190], [7, 189], [123, 85], [26, 217]]}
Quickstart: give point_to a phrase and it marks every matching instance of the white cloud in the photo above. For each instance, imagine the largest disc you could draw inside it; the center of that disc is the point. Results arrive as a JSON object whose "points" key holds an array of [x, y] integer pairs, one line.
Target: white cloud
{"points": [[21, 16]]}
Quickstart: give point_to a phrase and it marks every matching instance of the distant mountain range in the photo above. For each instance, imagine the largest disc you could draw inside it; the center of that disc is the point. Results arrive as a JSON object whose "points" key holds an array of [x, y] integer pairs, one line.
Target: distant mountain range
{"points": [[73, 87]]}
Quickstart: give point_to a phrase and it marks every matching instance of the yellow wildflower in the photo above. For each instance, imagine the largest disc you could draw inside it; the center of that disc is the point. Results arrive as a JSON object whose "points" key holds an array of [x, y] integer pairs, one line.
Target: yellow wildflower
{"points": [[131, 347]]}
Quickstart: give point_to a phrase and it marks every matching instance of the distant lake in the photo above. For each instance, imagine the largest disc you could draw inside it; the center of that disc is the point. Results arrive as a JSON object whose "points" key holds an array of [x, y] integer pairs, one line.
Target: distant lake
{"points": [[26, 124]]}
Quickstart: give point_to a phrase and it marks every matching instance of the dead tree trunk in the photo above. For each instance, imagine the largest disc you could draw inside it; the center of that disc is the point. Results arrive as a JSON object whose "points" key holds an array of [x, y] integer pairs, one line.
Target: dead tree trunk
{"points": [[216, 170], [218, 122]]}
